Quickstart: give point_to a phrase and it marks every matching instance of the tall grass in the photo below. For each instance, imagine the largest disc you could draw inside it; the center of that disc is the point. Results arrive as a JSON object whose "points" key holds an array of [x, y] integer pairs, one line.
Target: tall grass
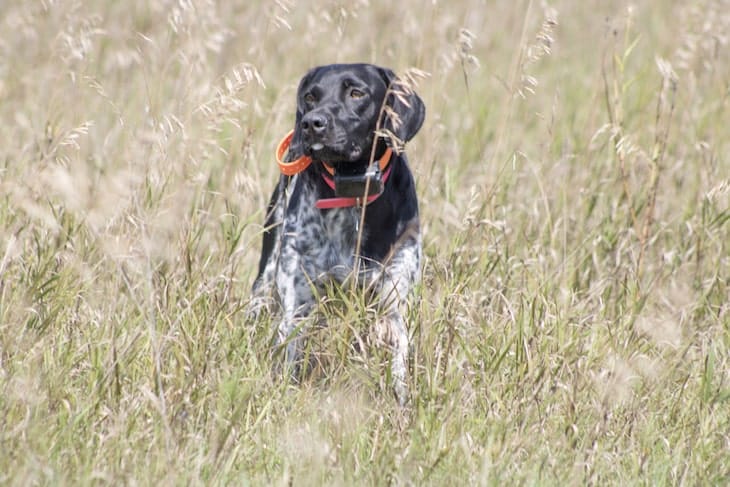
{"points": [[572, 325]]}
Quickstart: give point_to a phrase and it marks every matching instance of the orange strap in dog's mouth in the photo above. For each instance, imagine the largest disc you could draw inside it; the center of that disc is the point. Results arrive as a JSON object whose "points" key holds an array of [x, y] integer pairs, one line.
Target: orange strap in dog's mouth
{"points": [[294, 167]]}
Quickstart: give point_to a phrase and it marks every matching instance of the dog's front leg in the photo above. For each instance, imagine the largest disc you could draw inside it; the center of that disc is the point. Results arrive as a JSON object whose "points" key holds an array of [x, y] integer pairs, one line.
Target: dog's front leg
{"points": [[296, 299], [397, 280], [391, 330]]}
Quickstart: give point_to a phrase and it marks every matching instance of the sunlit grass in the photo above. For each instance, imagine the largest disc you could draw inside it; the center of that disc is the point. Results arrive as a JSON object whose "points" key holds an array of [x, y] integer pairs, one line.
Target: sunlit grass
{"points": [[572, 324]]}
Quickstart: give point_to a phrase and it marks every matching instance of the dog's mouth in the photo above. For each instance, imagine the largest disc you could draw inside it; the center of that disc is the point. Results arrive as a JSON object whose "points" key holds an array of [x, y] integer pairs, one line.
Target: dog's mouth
{"points": [[332, 154]]}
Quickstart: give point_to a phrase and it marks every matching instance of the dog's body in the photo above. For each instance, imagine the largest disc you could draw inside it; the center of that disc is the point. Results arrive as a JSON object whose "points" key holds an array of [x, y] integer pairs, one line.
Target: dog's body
{"points": [[304, 247]]}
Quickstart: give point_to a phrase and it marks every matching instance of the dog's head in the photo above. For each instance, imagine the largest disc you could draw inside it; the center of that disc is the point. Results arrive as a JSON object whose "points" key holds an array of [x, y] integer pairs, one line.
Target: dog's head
{"points": [[339, 107]]}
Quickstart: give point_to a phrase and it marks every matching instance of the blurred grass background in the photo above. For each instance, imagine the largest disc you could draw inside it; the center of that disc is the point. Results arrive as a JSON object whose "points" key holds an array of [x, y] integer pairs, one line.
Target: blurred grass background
{"points": [[572, 326]]}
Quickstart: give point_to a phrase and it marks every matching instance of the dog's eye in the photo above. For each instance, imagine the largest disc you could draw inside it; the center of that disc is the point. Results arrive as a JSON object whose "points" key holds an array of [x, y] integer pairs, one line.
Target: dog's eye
{"points": [[355, 93], [309, 98]]}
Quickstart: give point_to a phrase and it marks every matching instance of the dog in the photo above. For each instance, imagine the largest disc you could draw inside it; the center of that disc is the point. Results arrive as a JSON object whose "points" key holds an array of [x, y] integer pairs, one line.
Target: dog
{"points": [[351, 123]]}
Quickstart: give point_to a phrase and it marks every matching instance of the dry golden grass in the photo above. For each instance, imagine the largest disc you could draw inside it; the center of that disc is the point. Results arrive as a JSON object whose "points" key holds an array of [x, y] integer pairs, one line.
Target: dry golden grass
{"points": [[573, 324]]}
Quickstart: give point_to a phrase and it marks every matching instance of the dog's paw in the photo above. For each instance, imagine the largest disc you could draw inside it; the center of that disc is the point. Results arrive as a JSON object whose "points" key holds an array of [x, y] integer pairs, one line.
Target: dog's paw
{"points": [[257, 307]]}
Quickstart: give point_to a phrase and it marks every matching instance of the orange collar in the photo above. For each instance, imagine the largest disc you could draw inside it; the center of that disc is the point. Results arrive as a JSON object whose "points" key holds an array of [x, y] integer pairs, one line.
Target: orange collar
{"points": [[295, 167]]}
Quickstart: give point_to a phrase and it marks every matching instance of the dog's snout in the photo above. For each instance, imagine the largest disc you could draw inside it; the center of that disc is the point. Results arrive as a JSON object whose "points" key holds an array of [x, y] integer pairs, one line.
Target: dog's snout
{"points": [[314, 123]]}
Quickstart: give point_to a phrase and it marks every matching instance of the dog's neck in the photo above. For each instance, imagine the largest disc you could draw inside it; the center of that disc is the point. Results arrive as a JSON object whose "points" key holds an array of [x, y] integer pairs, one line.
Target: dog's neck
{"points": [[329, 175], [383, 156]]}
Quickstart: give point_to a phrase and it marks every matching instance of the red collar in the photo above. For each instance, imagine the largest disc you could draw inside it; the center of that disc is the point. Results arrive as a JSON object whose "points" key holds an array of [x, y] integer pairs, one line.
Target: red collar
{"points": [[295, 167], [326, 203]]}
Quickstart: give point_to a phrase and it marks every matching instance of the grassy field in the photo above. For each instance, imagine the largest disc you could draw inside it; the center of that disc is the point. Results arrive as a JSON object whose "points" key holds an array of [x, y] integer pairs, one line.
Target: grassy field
{"points": [[573, 322]]}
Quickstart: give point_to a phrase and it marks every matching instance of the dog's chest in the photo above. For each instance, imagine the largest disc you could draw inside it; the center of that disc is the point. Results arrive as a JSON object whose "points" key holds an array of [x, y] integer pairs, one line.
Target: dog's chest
{"points": [[324, 239]]}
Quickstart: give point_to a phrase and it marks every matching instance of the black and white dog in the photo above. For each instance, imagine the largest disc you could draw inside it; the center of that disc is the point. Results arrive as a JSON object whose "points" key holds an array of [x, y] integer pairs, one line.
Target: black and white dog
{"points": [[348, 115]]}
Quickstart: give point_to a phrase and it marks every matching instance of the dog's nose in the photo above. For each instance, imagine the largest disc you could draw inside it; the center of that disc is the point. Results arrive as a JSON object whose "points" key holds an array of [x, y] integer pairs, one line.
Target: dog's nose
{"points": [[314, 123]]}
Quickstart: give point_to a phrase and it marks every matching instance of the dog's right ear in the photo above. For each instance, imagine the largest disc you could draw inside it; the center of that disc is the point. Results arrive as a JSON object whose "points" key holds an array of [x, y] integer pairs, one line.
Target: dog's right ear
{"points": [[296, 147]]}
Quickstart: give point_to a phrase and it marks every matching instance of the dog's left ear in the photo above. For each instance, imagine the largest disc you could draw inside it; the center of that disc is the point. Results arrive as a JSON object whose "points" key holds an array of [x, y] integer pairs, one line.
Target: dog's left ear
{"points": [[405, 110]]}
